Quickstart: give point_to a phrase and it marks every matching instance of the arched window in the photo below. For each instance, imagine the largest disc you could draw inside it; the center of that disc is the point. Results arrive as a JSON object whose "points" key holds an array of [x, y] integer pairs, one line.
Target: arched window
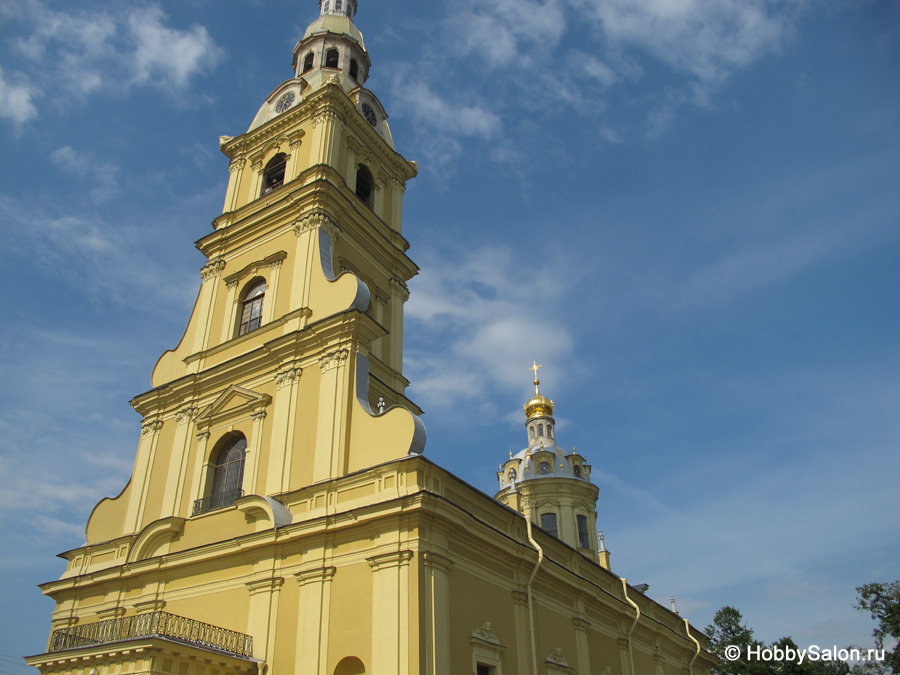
{"points": [[332, 58], [365, 185], [274, 174], [541, 430], [531, 429], [337, 5], [228, 475], [354, 69], [511, 475], [251, 306], [577, 471], [308, 63]]}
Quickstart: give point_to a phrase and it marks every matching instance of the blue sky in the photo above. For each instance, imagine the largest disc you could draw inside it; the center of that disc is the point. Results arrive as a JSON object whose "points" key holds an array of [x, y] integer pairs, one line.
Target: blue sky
{"points": [[686, 210]]}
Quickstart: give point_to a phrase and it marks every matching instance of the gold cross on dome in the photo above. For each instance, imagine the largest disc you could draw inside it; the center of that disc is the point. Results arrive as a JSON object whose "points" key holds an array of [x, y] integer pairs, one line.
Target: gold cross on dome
{"points": [[535, 368]]}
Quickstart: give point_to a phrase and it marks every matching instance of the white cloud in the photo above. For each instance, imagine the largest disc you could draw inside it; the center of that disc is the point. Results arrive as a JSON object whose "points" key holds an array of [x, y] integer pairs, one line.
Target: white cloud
{"points": [[432, 110], [706, 38], [16, 100], [104, 51], [168, 56], [484, 317], [507, 31]]}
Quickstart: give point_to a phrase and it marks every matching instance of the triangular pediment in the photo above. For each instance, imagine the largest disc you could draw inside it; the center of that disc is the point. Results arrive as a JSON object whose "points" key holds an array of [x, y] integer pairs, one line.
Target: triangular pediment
{"points": [[236, 401]]}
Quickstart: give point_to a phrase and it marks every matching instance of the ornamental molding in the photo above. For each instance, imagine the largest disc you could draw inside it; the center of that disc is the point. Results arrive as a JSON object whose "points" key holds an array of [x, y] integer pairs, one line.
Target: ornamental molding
{"points": [[328, 114], [257, 166], [287, 377], [258, 416], [269, 584], [317, 220], [437, 561], [486, 632], [581, 624], [333, 359], [186, 415], [203, 436], [253, 268], [398, 287], [155, 605], [623, 643], [320, 574], [389, 560], [556, 657], [151, 427], [520, 598], [111, 612], [237, 165], [276, 264], [231, 284], [233, 403], [212, 269]]}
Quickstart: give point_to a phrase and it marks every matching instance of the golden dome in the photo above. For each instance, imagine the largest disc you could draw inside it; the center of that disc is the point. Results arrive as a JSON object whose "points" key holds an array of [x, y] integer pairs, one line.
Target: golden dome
{"points": [[538, 406]]}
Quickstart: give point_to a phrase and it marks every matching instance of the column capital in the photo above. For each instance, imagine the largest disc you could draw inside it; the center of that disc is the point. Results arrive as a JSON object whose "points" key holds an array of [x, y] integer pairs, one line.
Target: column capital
{"points": [[319, 574], [387, 560], [267, 584], [437, 561]]}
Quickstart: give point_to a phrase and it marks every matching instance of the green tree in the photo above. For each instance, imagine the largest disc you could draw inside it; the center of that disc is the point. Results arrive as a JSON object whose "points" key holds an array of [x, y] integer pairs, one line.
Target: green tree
{"points": [[728, 630], [882, 601], [792, 666]]}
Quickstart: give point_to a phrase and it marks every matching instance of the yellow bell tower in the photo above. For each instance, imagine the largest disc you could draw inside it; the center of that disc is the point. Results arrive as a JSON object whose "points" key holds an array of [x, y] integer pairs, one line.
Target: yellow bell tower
{"points": [[281, 518]]}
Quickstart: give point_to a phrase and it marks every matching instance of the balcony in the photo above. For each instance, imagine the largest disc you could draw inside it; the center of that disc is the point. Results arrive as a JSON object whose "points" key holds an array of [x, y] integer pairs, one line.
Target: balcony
{"points": [[216, 501], [154, 624]]}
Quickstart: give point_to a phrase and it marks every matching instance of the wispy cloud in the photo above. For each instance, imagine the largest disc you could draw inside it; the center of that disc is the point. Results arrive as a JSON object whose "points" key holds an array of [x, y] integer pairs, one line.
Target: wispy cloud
{"points": [[505, 32], [441, 123], [85, 165], [484, 318], [16, 99], [101, 51], [707, 38]]}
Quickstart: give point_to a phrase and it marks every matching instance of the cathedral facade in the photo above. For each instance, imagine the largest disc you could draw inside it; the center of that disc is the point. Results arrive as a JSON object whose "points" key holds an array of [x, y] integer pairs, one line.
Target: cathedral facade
{"points": [[281, 516]]}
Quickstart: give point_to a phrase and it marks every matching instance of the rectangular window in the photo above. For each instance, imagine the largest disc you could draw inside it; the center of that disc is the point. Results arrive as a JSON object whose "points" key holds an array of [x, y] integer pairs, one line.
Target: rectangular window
{"points": [[548, 524], [484, 670], [584, 540]]}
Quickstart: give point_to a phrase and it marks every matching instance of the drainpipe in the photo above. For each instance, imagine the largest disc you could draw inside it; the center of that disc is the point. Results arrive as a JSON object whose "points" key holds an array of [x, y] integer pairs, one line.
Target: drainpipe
{"points": [[687, 629], [637, 617], [540, 552]]}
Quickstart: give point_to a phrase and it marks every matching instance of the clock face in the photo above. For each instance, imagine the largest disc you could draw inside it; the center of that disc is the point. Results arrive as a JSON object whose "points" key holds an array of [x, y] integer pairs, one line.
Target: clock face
{"points": [[369, 114], [284, 102], [544, 467]]}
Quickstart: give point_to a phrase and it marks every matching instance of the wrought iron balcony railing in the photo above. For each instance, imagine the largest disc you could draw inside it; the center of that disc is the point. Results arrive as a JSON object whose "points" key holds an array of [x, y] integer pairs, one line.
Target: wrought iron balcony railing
{"points": [[154, 624], [217, 501]]}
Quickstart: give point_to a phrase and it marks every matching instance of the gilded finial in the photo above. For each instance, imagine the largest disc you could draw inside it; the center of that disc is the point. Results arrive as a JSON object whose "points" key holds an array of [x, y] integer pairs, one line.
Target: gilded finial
{"points": [[535, 367], [510, 454]]}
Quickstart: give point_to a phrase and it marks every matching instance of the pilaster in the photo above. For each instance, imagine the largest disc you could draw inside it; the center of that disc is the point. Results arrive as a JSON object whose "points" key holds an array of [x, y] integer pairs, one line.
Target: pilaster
{"points": [[331, 427], [390, 612], [150, 431], [437, 613], [314, 615]]}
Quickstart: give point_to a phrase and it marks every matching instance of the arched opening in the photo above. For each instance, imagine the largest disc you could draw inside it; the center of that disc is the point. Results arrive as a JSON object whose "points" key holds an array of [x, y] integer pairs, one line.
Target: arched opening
{"points": [[227, 475], [251, 306], [338, 5], [332, 58], [511, 476], [273, 177], [350, 666], [354, 69], [308, 63], [541, 430], [365, 185]]}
